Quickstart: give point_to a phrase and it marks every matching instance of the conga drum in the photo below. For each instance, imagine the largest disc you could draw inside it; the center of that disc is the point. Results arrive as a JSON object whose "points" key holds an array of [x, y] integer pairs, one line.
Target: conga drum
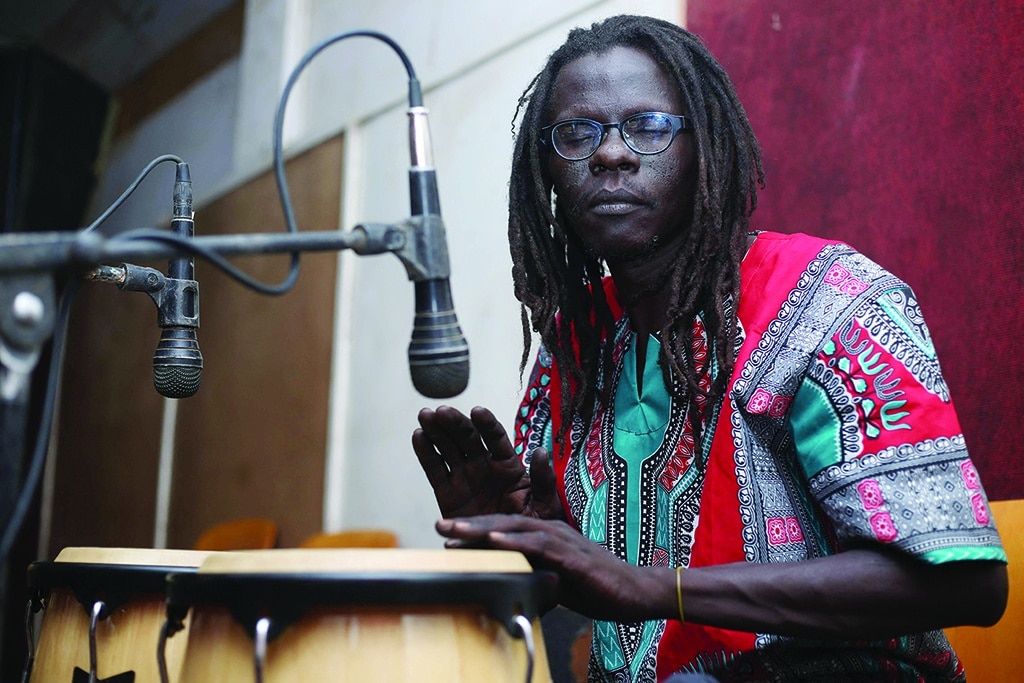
{"points": [[104, 611], [312, 615]]}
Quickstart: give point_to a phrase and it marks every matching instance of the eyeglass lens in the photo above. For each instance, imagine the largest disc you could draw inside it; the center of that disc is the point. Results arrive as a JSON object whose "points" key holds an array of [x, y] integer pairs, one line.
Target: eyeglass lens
{"points": [[646, 133]]}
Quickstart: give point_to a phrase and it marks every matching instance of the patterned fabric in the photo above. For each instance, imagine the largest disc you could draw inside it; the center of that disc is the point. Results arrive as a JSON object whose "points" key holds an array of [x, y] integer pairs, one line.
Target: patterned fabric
{"points": [[837, 430]]}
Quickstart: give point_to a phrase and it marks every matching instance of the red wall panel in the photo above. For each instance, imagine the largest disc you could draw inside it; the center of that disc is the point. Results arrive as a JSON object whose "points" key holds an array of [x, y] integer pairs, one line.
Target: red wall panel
{"points": [[898, 127]]}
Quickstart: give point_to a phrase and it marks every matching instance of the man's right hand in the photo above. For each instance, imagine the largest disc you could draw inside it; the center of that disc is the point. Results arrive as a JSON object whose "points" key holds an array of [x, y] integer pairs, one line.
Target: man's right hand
{"points": [[473, 468]]}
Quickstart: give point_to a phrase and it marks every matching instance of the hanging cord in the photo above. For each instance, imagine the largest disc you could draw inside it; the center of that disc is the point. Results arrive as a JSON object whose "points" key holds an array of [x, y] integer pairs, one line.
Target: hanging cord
{"points": [[131, 189], [415, 100]]}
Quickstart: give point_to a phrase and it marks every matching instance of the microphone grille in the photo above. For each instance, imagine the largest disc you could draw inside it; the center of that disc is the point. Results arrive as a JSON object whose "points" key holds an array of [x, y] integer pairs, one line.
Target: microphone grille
{"points": [[177, 381], [440, 378], [177, 363]]}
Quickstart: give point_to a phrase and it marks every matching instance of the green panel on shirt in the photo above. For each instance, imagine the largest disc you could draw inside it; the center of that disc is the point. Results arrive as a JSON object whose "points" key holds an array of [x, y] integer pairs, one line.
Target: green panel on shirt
{"points": [[965, 553], [640, 421], [640, 425], [816, 428]]}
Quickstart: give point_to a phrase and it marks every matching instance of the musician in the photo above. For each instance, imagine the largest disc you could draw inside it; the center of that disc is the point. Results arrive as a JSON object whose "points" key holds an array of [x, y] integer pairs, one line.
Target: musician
{"points": [[736, 447]]}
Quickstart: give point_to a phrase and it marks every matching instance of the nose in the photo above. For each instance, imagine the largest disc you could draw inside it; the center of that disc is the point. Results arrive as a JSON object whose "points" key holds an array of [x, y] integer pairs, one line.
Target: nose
{"points": [[613, 154]]}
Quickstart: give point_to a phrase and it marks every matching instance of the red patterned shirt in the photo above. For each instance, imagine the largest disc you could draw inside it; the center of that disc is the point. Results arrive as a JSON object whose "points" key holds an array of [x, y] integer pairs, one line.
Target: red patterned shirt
{"points": [[837, 430]]}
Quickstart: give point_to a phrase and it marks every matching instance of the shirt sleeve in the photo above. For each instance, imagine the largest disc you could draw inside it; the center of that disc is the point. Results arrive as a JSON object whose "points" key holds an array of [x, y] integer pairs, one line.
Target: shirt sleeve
{"points": [[877, 435], [533, 425]]}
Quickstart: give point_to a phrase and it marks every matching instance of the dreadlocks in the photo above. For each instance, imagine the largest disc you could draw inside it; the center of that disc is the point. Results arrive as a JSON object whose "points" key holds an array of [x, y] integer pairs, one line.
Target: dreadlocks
{"points": [[559, 283]]}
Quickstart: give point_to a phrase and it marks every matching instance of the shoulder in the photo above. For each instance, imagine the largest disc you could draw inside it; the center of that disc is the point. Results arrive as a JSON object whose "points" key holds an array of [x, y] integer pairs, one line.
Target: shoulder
{"points": [[794, 245], [808, 256]]}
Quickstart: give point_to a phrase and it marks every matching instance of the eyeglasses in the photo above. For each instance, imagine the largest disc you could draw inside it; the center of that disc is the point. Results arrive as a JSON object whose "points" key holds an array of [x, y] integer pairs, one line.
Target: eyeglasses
{"points": [[650, 132]]}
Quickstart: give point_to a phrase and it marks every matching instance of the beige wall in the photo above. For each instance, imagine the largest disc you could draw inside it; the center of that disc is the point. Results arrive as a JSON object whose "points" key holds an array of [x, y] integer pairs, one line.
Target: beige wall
{"points": [[251, 442]]}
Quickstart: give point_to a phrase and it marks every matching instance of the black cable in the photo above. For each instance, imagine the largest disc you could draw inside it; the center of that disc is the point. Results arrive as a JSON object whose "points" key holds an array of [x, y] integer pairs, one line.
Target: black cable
{"points": [[189, 245], [131, 188], [415, 99]]}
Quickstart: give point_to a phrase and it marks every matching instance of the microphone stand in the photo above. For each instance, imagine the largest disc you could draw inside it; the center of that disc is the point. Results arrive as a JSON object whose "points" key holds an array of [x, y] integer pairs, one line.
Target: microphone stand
{"points": [[27, 315], [30, 264]]}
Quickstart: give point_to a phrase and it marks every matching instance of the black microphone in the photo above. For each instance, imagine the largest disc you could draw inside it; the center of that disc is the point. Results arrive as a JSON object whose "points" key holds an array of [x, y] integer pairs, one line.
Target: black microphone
{"points": [[177, 362], [438, 352]]}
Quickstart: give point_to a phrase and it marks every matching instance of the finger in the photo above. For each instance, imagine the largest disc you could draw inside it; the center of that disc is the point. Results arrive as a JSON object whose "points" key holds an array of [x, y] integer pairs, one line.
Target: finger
{"points": [[430, 460], [483, 532], [439, 425], [462, 432], [464, 531], [479, 526], [547, 544], [493, 434], [545, 547]]}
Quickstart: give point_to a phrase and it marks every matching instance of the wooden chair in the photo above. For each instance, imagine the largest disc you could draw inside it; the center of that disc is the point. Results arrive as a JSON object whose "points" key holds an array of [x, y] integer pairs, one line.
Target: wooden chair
{"points": [[996, 653], [251, 533], [352, 538]]}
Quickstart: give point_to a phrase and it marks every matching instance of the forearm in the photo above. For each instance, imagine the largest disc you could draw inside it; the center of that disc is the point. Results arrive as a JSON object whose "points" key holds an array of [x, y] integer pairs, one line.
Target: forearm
{"points": [[853, 595]]}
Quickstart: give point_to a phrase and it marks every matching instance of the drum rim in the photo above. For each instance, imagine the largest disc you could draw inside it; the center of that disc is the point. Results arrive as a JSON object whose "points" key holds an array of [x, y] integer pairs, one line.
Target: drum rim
{"points": [[285, 597], [91, 582]]}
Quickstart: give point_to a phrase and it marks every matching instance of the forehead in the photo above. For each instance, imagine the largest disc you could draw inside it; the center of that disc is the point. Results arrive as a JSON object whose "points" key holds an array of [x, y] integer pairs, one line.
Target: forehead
{"points": [[618, 82]]}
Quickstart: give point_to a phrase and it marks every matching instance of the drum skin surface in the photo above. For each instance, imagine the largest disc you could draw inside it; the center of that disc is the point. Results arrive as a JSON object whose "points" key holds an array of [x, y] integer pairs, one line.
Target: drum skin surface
{"points": [[421, 642], [126, 640]]}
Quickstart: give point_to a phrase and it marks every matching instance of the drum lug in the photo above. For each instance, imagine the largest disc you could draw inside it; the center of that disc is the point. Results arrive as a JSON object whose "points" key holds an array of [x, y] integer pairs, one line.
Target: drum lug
{"points": [[526, 631], [98, 610], [260, 638]]}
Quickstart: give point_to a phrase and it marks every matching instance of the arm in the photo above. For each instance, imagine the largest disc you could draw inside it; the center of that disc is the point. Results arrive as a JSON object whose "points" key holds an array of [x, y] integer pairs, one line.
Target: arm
{"points": [[473, 469], [859, 594], [865, 593]]}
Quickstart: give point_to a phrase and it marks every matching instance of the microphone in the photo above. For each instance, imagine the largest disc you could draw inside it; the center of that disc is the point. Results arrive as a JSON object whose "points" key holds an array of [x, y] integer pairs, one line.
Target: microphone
{"points": [[438, 352], [177, 362]]}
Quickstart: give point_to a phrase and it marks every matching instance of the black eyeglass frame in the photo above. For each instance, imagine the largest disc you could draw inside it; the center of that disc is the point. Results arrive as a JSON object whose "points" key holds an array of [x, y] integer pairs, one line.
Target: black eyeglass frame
{"points": [[679, 124]]}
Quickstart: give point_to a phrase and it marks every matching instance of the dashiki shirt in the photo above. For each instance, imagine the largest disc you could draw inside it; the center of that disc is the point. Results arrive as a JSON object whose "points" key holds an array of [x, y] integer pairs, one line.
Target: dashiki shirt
{"points": [[837, 430]]}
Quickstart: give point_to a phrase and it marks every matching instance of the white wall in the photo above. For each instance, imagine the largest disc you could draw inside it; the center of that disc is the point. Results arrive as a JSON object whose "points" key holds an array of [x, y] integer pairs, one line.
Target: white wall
{"points": [[473, 58], [474, 62]]}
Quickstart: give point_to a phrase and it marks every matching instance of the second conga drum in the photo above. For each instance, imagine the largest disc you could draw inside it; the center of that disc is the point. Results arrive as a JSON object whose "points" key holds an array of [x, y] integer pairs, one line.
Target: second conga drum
{"points": [[117, 593], [279, 616]]}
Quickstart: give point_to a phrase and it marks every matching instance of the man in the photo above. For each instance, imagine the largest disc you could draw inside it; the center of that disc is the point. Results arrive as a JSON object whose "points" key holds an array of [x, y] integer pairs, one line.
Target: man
{"points": [[743, 459]]}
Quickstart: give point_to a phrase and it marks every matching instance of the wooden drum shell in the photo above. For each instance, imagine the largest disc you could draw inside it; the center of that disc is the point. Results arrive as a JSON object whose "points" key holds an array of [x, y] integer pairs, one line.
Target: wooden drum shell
{"points": [[127, 638], [452, 643]]}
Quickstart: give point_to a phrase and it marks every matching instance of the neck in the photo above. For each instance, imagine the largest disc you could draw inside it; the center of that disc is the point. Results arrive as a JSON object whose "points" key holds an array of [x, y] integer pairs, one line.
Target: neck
{"points": [[643, 288], [643, 292]]}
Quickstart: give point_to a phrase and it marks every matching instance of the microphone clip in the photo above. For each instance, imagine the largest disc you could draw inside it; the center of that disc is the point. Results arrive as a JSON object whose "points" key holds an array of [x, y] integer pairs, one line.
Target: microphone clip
{"points": [[419, 243], [177, 300], [177, 303]]}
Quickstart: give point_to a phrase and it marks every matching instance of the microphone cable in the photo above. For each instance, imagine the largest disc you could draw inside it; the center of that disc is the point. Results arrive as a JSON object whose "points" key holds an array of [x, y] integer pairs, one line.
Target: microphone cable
{"points": [[415, 100]]}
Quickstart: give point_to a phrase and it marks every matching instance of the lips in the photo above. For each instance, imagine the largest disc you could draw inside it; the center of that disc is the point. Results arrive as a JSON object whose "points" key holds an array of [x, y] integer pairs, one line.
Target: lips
{"points": [[615, 202]]}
